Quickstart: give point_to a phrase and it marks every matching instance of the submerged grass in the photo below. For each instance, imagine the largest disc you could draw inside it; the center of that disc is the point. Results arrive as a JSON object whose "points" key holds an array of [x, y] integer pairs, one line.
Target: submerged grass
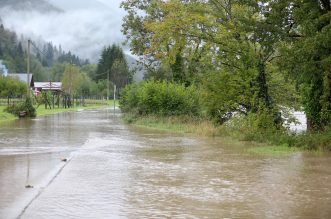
{"points": [[41, 111], [274, 150], [182, 124], [267, 143]]}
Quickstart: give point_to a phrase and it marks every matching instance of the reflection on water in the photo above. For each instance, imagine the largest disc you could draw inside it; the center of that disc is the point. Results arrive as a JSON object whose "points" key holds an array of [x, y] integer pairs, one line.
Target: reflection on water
{"points": [[120, 172]]}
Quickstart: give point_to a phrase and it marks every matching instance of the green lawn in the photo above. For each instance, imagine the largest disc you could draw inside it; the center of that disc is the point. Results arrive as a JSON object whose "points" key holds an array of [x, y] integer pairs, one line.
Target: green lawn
{"points": [[5, 116]]}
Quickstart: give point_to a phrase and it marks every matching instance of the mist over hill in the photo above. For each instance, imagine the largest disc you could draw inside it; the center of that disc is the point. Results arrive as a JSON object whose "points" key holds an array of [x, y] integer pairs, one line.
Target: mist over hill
{"points": [[29, 5], [83, 27]]}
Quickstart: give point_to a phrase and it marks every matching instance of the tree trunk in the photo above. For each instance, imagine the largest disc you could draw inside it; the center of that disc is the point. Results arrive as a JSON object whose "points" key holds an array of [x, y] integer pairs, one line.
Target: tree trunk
{"points": [[263, 92]]}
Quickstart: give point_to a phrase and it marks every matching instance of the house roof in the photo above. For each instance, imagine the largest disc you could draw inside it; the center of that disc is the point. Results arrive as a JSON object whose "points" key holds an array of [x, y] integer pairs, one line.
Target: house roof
{"points": [[48, 85], [22, 77]]}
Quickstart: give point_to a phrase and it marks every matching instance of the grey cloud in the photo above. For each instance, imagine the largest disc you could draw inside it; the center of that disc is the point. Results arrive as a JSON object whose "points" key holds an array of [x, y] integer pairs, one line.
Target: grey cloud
{"points": [[83, 29]]}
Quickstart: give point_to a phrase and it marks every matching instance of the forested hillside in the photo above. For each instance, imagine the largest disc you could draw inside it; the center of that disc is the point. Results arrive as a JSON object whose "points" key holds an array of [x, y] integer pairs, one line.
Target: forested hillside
{"points": [[45, 55]]}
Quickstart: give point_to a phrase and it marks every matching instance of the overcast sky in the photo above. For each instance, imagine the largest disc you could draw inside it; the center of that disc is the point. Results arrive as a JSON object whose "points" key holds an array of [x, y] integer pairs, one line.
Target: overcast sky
{"points": [[84, 27]]}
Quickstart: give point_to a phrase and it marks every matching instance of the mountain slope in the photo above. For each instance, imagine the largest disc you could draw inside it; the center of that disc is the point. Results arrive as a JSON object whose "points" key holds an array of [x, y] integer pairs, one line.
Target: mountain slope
{"points": [[68, 5], [29, 5]]}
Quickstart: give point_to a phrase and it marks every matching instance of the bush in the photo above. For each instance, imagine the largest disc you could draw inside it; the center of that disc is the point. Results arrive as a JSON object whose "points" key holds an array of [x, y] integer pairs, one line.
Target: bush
{"points": [[313, 141], [11, 87], [25, 106], [160, 98], [259, 127]]}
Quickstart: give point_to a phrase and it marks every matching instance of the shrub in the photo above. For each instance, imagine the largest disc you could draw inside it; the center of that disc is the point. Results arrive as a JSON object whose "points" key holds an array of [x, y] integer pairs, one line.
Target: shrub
{"points": [[161, 98], [313, 141], [25, 106], [259, 127]]}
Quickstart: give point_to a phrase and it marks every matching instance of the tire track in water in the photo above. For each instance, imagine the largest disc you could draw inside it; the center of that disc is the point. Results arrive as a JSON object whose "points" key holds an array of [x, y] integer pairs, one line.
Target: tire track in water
{"points": [[43, 188]]}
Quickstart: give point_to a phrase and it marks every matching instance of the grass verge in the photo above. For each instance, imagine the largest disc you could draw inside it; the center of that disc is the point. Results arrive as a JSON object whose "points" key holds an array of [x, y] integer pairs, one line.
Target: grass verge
{"points": [[4, 116]]}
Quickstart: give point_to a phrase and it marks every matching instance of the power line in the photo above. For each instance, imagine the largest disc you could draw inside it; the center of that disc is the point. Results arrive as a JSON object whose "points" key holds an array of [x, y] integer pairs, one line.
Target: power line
{"points": [[37, 48], [102, 73]]}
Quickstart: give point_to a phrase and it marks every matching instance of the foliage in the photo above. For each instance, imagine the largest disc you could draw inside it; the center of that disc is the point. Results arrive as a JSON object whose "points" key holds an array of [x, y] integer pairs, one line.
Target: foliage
{"points": [[49, 54], [307, 57], [260, 127], [56, 72], [251, 58], [11, 51], [25, 106], [75, 82], [89, 69], [28, 107], [161, 98], [10, 87], [113, 62], [46, 98], [225, 94], [230, 45], [40, 73], [100, 88], [43, 56], [319, 140], [178, 124], [137, 35]]}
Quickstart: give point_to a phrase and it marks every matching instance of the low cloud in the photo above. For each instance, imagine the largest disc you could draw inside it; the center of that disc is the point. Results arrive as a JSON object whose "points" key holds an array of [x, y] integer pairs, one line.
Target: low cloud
{"points": [[82, 30]]}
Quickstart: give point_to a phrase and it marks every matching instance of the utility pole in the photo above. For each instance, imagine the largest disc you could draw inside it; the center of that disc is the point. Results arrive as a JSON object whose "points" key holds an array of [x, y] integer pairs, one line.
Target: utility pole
{"points": [[108, 84], [71, 69], [114, 96], [114, 90], [28, 69]]}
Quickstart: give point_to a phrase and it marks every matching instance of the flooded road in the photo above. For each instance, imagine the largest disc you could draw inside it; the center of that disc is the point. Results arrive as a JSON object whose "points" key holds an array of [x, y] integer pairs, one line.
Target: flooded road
{"points": [[116, 171]]}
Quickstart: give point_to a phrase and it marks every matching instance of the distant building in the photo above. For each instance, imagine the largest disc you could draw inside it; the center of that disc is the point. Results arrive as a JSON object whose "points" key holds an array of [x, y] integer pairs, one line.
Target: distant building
{"points": [[23, 77], [3, 69], [47, 86]]}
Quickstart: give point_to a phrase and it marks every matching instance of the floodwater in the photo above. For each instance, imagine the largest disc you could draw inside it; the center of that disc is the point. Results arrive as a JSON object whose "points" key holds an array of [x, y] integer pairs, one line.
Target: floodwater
{"points": [[116, 171]]}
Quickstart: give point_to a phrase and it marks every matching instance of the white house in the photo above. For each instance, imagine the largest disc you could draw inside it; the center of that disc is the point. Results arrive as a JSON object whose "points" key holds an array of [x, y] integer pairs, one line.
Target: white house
{"points": [[47, 86], [3, 69]]}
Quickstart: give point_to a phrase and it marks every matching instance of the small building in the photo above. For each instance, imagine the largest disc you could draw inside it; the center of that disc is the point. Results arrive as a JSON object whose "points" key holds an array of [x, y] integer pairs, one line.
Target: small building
{"points": [[3, 69], [55, 87], [23, 77]]}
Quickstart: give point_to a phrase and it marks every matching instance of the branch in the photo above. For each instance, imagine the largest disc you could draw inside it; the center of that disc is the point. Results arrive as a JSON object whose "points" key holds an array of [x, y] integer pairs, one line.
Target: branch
{"points": [[220, 6], [275, 57], [229, 65]]}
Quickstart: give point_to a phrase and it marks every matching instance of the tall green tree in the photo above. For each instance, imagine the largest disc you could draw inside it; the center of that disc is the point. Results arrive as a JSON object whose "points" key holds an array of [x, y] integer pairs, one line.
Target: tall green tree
{"points": [[71, 79], [11, 51], [113, 62], [307, 57]]}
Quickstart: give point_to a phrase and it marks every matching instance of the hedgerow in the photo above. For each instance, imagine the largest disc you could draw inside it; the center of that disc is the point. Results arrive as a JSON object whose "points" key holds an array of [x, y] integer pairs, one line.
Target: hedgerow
{"points": [[160, 98]]}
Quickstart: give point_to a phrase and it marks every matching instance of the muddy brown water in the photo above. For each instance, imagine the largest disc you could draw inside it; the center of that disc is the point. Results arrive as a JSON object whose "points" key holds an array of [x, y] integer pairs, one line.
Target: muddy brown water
{"points": [[117, 171]]}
